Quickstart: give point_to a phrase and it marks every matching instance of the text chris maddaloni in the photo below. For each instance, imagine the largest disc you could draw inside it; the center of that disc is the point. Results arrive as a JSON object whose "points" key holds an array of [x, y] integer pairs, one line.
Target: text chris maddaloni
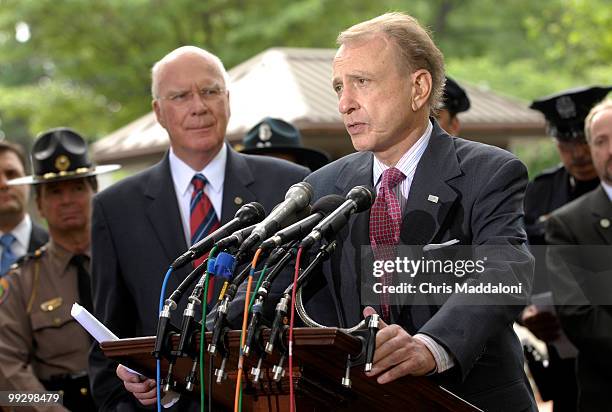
{"points": [[444, 288]]}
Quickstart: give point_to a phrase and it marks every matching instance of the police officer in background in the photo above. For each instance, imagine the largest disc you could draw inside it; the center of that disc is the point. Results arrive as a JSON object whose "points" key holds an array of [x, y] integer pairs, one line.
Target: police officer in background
{"points": [[565, 113], [455, 101], [278, 138], [41, 346]]}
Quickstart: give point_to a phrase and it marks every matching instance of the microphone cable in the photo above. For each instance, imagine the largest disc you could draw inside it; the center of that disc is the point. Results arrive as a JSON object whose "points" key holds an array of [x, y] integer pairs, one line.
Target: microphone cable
{"points": [[211, 256], [158, 361], [245, 317], [291, 322]]}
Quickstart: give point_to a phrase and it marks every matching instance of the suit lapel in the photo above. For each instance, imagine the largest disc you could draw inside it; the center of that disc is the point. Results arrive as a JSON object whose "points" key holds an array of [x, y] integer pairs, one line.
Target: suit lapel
{"points": [[431, 198], [601, 207], [236, 190], [358, 172], [163, 211]]}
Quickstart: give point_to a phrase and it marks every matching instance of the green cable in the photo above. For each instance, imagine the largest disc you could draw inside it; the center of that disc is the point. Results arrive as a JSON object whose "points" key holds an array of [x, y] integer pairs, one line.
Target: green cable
{"points": [[203, 334], [259, 281]]}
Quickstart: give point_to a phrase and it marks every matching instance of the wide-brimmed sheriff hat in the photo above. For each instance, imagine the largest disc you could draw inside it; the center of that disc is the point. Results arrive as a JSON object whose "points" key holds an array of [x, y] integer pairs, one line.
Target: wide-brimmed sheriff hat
{"points": [[277, 136], [60, 154]]}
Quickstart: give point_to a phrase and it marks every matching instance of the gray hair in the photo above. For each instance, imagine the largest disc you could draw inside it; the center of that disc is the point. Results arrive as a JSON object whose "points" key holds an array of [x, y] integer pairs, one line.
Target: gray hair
{"points": [[417, 49], [598, 108], [155, 70]]}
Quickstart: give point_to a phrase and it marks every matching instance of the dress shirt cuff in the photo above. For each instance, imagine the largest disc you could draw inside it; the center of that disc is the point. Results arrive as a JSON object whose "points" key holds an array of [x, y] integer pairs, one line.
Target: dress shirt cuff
{"points": [[444, 361]]}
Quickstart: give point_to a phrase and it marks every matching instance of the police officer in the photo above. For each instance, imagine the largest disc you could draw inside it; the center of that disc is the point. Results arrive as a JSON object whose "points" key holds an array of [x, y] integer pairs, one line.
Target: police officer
{"points": [[565, 113], [278, 138], [455, 101], [41, 346]]}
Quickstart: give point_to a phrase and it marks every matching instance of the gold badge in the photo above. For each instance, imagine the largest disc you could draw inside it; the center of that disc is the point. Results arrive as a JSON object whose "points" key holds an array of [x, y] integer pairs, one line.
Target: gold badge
{"points": [[62, 163], [238, 200], [51, 304]]}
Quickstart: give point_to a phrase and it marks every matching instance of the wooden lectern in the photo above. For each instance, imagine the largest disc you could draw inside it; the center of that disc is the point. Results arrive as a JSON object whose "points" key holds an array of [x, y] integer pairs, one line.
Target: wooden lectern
{"points": [[320, 356]]}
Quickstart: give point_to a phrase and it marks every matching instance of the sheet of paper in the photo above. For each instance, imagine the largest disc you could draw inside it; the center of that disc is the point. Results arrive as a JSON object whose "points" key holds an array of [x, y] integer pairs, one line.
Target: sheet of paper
{"points": [[95, 328]]}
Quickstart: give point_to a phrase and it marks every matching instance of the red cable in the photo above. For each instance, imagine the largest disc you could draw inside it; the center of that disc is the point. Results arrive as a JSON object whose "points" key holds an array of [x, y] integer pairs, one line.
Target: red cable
{"points": [[292, 317]]}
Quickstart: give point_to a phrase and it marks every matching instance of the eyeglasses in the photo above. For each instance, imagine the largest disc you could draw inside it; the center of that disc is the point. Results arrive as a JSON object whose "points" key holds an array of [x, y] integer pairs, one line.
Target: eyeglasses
{"points": [[208, 94]]}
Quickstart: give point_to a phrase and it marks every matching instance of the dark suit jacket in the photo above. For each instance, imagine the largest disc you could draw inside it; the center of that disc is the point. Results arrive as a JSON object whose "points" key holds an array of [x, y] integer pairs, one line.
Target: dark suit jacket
{"points": [[582, 288], [38, 237], [480, 195], [136, 234]]}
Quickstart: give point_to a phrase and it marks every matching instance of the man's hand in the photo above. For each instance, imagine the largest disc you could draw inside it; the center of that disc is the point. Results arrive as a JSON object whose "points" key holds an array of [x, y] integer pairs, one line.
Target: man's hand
{"points": [[544, 325], [398, 353], [145, 391]]}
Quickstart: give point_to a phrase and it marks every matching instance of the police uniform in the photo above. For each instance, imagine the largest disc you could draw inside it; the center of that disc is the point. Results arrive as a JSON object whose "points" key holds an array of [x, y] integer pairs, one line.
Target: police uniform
{"points": [[41, 346], [565, 113]]}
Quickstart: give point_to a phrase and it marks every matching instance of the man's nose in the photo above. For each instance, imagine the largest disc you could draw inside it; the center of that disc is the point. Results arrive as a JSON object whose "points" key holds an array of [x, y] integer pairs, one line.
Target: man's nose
{"points": [[347, 103], [198, 104]]}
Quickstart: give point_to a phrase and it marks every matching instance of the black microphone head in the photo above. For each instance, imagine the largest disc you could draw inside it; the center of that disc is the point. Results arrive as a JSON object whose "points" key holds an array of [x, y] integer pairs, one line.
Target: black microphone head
{"points": [[251, 213], [362, 196], [300, 192], [327, 204]]}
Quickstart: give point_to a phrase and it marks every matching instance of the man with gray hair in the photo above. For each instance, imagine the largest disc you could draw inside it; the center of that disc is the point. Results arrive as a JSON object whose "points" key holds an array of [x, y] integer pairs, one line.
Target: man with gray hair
{"points": [[141, 224], [432, 190], [580, 235]]}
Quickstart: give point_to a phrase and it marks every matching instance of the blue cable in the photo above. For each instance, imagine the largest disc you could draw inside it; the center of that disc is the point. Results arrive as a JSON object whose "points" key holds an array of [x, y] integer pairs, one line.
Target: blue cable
{"points": [[158, 362]]}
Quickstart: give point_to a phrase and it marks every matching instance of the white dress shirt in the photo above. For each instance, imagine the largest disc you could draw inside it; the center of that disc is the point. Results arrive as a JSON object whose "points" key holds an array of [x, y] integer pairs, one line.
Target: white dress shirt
{"points": [[22, 233], [214, 172], [608, 188]]}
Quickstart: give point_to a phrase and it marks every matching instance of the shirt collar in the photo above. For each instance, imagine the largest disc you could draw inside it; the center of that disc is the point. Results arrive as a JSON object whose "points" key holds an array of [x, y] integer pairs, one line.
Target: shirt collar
{"points": [[608, 188], [22, 232], [409, 160], [214, 172], [63, 256]]}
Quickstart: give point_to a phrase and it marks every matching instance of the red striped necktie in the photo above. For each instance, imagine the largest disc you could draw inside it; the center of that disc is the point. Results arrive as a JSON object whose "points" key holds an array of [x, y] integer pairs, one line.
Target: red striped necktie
{"points": [[385, 227], [203, 220]]}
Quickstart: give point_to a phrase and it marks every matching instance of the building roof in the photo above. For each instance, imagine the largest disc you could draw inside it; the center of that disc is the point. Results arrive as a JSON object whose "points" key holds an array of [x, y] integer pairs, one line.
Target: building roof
{"points": [[294, 84]]}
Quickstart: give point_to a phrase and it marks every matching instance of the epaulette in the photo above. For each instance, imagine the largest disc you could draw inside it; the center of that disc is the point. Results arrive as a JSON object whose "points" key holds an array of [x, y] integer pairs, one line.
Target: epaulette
{"points": [[37, 254], [548, 172]]}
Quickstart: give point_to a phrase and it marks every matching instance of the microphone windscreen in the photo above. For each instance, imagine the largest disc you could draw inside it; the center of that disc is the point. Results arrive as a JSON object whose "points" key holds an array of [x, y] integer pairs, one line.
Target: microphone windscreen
{"points": [[327, 204], [363, 197]]}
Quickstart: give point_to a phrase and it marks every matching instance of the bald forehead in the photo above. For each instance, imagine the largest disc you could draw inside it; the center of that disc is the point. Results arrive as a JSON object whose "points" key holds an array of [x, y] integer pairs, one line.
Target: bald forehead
{"points": [[189, 60]]}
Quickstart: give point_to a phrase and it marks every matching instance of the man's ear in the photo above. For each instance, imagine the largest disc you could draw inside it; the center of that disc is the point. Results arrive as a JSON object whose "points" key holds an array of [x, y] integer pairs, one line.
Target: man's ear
{"points": [[157, 110], [421, 88]]}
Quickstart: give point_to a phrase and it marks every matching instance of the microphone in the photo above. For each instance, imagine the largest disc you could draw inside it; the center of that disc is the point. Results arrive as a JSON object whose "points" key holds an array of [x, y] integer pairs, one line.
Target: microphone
{"points": [[248, 214], [320, 209], [297, 198], [358, 199]]}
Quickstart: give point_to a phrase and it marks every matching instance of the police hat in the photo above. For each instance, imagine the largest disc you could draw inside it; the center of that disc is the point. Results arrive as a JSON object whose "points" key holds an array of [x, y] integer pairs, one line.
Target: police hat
{"points": [[277, 136], [455, 98], [60, 154], [565, 112]]}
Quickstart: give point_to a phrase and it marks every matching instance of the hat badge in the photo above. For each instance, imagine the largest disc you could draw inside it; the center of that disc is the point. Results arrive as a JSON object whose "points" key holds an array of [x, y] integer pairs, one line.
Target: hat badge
{"points": [[605, 223], [565, 107], [265, 132], [62, 163]]}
